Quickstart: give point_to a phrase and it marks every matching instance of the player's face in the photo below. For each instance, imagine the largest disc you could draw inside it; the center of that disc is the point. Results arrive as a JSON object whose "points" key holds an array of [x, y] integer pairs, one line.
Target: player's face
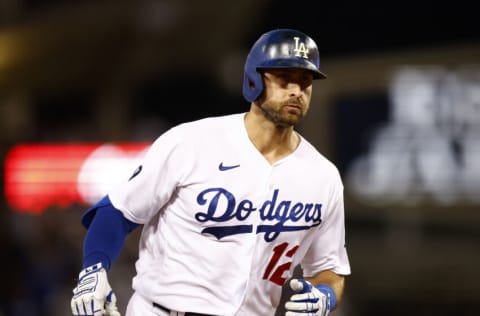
{"points": [[287, 95]]}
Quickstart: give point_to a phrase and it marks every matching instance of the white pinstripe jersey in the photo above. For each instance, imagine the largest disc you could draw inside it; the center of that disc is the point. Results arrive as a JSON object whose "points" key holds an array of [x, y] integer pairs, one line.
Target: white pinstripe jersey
{"points": [[224, 228]]}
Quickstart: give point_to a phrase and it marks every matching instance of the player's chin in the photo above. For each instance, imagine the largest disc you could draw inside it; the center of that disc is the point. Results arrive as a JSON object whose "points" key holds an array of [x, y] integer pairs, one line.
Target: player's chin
{"points": [[288, 122], [293, 116]]}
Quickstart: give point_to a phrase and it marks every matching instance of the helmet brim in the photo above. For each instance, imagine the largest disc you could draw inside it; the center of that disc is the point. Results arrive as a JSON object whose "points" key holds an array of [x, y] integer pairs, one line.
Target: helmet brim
{"points": [[293, 64]]}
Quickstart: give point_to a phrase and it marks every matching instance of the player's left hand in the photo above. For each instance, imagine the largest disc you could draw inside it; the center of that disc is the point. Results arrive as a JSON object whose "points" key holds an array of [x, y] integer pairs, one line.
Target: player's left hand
{"points": [[307, 300], [93, 295]]}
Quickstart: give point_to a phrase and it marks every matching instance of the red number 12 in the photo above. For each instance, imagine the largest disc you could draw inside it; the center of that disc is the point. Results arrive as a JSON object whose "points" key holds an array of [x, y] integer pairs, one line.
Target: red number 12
{"points": [[277, 275]]}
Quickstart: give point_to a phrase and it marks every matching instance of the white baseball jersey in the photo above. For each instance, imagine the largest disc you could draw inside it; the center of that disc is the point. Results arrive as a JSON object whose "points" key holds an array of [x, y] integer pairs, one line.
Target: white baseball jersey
{"points": [[224, 228]]}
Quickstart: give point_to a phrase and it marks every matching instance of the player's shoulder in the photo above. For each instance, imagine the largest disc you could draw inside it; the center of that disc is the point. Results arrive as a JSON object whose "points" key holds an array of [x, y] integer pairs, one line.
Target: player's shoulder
{"points": [[214, 121], [197, 131], [189, 136], [316, 158], [210, 124]]}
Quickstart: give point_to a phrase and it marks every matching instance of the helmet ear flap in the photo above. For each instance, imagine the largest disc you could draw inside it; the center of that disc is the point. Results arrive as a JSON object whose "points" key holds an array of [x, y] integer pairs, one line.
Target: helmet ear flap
{"points": [[252, 86]]}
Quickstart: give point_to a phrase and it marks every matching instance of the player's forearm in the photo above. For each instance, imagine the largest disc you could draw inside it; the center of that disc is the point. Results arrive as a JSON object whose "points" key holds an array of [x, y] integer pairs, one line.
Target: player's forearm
{"points": [[106, 236], [335, 281]]}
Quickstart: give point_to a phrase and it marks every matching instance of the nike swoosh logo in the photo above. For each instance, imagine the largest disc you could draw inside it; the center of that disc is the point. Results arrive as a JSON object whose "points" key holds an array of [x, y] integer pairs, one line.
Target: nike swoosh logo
{"points": [[221, 167]]}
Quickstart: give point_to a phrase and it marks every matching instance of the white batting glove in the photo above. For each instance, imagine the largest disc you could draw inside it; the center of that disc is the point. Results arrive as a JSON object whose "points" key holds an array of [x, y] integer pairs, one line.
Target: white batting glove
{"points": [[307, 300], [93, 295]]}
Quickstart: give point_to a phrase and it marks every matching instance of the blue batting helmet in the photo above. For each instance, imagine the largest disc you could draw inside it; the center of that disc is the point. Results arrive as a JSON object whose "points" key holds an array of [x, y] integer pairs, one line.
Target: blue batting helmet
{"points": [[280, 48]]}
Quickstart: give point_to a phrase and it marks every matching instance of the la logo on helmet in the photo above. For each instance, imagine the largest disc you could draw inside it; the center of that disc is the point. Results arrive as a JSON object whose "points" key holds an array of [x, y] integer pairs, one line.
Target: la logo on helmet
{"points": [[300, 48]]}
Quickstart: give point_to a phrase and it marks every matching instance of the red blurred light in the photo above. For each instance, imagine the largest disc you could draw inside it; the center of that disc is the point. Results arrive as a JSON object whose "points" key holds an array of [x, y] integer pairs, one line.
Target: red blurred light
{"points": [[38, 176]]}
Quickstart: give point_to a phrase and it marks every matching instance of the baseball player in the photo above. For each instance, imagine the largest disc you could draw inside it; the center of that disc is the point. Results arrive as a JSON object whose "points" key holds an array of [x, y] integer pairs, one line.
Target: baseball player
{"points": [[228, 206]]}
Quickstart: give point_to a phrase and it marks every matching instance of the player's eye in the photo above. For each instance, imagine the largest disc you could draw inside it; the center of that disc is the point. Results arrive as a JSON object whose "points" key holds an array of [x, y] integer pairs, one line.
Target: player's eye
{"points": [[306, 80]]}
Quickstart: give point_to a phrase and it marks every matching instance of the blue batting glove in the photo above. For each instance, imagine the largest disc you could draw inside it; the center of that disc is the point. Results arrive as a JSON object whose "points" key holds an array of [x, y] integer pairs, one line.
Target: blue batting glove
{"points": [[309, 300]]}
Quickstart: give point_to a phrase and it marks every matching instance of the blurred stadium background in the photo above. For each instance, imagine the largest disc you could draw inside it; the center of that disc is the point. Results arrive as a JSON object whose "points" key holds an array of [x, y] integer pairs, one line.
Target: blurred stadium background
{"points": [[399, 114]]}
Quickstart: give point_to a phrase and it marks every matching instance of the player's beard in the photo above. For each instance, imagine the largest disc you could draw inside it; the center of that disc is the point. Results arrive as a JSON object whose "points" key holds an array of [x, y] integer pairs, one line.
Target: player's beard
{"points": [[281, 114]]}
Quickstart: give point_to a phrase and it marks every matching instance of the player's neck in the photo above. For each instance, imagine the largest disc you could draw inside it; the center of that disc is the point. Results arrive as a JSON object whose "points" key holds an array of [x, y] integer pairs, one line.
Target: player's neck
{"points": [[272, 141]]}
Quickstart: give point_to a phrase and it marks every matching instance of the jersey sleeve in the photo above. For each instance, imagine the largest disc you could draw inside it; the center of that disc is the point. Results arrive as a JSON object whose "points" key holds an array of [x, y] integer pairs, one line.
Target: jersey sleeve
{"points": [[154, 182], [328, 249]]}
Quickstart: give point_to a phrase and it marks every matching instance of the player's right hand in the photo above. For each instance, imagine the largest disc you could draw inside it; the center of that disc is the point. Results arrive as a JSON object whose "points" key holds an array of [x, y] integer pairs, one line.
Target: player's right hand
{"points": [[93, 295], [307, 300]]}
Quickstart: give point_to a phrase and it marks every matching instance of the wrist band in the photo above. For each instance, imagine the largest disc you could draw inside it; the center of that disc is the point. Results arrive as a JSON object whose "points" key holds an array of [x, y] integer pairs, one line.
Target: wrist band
{"points": [[330, 293], [90, 269]]}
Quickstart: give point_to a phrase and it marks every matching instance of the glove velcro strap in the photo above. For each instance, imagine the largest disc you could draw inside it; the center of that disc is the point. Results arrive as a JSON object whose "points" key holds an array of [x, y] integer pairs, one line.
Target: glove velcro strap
{"points": [[330, 293], [93, 268]]}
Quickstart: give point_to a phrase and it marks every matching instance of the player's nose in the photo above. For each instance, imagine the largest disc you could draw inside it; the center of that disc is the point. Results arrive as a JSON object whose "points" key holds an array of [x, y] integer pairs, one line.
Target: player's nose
{"points": [[294, 89]]}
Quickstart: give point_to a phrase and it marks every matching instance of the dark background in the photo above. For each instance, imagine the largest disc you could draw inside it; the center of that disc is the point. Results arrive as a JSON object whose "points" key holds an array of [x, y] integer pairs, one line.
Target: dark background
{"points": [[79, 71]]}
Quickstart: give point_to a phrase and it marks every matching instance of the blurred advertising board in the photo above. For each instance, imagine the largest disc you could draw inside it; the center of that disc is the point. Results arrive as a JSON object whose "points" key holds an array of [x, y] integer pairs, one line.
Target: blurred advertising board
{"points": [[418, 144], [39, 176]]}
